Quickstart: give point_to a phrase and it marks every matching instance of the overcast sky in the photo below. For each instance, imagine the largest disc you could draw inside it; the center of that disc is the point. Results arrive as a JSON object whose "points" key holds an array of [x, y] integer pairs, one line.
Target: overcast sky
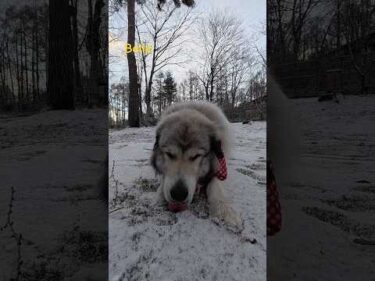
{"points": [[251, 12]]}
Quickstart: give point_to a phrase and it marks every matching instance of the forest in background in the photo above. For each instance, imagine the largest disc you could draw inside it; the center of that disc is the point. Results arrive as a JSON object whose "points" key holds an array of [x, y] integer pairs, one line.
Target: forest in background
{"points": [[316, 47], [221, 62], [53, 55]]}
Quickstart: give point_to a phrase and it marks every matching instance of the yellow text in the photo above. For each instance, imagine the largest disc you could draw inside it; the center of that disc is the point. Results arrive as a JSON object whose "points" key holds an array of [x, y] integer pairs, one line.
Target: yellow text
{"points": [[138, 48]]}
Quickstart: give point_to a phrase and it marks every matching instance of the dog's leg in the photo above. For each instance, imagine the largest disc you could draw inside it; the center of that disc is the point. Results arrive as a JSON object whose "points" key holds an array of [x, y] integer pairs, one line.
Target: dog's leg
{"points": [[219, 206]]}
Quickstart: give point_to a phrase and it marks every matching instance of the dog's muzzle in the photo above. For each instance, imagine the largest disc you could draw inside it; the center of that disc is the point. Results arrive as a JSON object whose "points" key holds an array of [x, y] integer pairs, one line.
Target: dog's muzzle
{"points": [[178, 192]]}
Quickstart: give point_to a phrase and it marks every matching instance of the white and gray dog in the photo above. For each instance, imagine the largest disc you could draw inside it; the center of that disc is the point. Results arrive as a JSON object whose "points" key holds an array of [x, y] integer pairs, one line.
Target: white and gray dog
{"points": [[192, 141]]}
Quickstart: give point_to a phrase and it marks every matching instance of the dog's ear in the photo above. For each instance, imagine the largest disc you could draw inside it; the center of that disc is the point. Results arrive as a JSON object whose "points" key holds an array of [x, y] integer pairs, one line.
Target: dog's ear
{"points": [[216, 147], [156, 144], [156, 154]]}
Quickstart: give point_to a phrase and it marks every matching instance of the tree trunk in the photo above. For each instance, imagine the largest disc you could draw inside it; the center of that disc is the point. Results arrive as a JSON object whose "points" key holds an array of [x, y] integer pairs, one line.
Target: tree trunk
{"points": [[10, 70], [26, 66], [3, 91], [89, 44], [101, 94], [233, 96], [149, 84], [148, 94], [211, 90], [60, 59], [338, 24], [36, 56], [33, 78], [77, 72], [123, 117], [93, 47], [140, 102], [19, 79], [139, 84], [37, 61], [22, 91], [132, 68]]}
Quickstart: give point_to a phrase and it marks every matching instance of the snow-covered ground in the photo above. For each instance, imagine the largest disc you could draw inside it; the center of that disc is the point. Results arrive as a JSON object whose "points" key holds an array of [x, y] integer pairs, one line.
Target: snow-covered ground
{"points": [[53, 160], [150, 243], [328, 197]]}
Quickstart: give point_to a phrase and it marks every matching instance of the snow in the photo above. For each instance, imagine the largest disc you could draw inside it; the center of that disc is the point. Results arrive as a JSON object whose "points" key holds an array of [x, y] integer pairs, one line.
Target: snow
{"points": [[53, 160], [147, 242], [328, 196]]}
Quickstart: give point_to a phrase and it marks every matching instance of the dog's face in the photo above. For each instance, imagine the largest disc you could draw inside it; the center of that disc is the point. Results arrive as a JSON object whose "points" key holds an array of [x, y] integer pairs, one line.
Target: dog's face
{"points": [[183, 154]]}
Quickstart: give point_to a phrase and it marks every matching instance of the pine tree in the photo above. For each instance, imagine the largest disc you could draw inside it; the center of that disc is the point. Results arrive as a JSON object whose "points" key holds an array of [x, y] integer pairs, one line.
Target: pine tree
{"points": [[170, 88], [160, 95]]}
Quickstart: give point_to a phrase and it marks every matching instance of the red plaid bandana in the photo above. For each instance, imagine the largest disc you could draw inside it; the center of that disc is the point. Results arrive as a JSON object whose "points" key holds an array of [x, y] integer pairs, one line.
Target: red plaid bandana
{"points": [[273, 204], [221, 173]]}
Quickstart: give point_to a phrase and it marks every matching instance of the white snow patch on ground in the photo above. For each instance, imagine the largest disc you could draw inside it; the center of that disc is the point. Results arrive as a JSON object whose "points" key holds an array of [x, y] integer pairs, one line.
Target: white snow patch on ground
{"points": [[328, 201], [147, 242], [49, 158]]}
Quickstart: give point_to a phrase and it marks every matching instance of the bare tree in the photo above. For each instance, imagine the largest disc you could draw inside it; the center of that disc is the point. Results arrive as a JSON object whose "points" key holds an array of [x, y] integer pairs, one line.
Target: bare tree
{"points": [[286, 30], [134, 103], [132, 69], [239, 67], [31, 38], [192, 87], [159, 91], [277, 29], [224, 46], [78, 91], [165, 30], [300, 11], [118, 96], [358, 27]]}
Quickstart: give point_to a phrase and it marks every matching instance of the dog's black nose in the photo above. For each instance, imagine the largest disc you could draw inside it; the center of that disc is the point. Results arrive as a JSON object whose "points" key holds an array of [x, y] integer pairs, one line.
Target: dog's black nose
{"points": [[179, 191]]}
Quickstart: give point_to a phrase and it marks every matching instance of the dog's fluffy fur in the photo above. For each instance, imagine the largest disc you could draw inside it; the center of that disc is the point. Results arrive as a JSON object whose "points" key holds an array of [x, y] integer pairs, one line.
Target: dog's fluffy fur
{"points": [[184, 154]]}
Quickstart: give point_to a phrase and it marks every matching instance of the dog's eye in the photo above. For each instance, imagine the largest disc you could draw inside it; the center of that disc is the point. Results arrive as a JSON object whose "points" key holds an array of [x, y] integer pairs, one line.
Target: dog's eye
{"points": [[171, 156], [195, 157]]}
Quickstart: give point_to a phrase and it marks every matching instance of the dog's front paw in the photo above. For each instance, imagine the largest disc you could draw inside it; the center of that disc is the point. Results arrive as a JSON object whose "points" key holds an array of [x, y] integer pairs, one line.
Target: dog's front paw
{"points": [[225, 213], [158, 199]]}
